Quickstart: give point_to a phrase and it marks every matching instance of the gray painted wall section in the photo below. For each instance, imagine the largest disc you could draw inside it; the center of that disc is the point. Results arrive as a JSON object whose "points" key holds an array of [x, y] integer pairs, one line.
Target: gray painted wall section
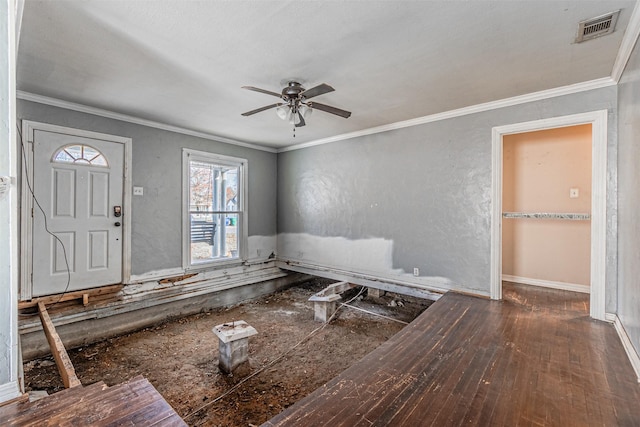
{"points": [[629, 199], [157, 166], [426, 189]]}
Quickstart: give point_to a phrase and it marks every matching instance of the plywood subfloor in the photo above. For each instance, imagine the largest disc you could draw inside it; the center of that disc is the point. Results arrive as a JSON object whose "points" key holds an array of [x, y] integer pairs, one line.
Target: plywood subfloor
{"points": [[533, 359]]}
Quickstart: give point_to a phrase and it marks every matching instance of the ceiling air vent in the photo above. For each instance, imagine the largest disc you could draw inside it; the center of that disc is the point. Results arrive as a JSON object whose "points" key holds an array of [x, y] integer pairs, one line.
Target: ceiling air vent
{"points": [[597, 27]]}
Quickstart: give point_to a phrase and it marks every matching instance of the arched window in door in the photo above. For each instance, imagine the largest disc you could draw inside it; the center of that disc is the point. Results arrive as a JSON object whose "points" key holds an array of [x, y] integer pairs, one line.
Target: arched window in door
{"points": [[80, 154]]}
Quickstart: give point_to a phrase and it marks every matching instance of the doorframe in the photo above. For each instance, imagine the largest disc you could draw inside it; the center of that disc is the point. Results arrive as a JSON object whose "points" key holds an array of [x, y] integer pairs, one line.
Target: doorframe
{"points": [[26, 220], [598, 121]]}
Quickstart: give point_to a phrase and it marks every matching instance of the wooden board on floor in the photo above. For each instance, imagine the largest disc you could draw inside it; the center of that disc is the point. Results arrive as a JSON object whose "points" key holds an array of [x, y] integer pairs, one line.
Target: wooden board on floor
{"points": [[134, 403], [85, 295], [65, 367], [535, 358]]}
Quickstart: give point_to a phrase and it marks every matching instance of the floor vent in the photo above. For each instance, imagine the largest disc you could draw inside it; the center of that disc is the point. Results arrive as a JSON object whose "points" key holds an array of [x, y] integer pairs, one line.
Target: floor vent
{"points": [[597, 27]]}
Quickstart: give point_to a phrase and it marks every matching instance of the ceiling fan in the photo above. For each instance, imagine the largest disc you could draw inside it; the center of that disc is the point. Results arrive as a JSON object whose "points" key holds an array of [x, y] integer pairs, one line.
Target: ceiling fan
{"points": [[296, 105]]}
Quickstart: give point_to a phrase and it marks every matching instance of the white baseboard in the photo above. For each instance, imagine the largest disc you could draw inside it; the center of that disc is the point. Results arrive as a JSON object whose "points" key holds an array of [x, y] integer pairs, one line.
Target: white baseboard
{"points": [[9, 391], [574, 287], [632, 353]]}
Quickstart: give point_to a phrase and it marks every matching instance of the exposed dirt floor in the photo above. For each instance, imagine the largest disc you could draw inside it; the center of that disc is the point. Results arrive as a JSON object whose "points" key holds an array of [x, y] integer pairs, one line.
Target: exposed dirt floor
{"points": [[180, 357]]}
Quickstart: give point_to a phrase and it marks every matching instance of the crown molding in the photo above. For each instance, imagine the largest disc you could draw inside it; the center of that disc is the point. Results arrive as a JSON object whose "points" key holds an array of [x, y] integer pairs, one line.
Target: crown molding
{"points": [[54, 102], [629, 40], [473, 109], [478, 108]]}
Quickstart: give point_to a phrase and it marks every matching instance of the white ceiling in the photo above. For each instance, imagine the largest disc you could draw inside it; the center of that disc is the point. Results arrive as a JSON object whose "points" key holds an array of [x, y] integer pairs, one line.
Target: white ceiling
{"points": [[182, 63]]}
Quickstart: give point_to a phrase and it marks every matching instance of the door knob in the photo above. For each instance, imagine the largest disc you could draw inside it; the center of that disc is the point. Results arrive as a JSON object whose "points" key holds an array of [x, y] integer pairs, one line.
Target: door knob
{"points": [[117, 224]]}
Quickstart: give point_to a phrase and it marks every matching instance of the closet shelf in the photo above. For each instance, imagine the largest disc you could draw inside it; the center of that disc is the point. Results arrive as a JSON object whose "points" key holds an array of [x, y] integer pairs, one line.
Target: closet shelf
{"points": [[546, 215]]}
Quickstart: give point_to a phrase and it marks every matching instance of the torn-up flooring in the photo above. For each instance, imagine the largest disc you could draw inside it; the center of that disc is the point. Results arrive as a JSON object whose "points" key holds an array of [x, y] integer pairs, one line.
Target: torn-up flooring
{"points": [[180, 357]]}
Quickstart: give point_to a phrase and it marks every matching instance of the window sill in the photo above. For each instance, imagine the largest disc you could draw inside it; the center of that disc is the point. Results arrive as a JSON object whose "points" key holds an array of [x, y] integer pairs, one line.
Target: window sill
{"points": [[215, 265]]}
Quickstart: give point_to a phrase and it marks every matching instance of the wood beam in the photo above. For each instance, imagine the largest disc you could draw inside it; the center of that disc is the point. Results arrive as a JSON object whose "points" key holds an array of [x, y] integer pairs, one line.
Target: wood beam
{"points": [[65, 367], [51, 299]]}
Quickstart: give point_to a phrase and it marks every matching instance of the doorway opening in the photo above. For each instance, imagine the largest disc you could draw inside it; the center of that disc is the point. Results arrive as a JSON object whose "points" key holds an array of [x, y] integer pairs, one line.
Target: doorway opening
{"points": [[546, 204], [597, 250]]}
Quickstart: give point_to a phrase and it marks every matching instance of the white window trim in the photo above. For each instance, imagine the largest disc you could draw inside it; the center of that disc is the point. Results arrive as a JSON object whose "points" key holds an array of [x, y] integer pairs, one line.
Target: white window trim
{"points": [[187, 155]]}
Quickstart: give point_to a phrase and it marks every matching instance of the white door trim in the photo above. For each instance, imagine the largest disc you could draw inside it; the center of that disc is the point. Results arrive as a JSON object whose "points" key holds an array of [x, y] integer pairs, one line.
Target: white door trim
{"points": [[598, 121], [26, 234]]}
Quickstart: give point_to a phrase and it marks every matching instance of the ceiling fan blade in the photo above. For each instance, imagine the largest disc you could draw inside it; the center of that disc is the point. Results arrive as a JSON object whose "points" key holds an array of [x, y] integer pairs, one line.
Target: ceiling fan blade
{"points": [[257, 110], [330, 109], [257, 89], [318, 90]]}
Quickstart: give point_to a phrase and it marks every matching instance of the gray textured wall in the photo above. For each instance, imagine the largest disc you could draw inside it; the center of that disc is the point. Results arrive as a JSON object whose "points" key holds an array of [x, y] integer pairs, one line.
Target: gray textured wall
{"points": [[426, 189], [157, 166], [629, 199], [5, 254]]}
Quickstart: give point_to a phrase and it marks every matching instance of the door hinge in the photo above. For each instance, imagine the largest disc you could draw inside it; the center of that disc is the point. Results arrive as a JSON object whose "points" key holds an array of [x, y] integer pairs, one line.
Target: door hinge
{"points": [[31, 212]]}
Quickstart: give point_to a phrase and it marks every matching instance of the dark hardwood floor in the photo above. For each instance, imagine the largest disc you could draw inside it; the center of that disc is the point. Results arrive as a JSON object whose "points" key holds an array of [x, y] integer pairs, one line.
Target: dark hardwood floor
{"points": [[133, 403], [533, 359]]}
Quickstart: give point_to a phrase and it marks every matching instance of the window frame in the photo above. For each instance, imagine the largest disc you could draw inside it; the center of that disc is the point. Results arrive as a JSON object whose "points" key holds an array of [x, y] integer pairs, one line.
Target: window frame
{"points": [[189, 155]]}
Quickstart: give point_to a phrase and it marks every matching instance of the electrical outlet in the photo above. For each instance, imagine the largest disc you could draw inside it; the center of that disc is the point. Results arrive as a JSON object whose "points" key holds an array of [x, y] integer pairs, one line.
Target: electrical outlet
{"points": [[138, 191], [416, 271]]}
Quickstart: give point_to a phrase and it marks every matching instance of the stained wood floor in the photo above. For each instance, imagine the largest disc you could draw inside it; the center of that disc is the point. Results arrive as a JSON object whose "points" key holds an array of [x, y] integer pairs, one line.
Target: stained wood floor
{"points": [[134, 403], [533, 359]]}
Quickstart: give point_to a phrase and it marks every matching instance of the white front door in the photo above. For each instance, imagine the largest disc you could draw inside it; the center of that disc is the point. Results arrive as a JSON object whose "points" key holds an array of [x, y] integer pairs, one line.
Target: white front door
{"points": [[78, 183]]}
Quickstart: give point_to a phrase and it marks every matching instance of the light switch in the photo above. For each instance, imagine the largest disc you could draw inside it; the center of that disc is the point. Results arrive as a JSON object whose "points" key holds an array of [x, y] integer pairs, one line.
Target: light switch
{"points": [[574, 193], [138, 191]]}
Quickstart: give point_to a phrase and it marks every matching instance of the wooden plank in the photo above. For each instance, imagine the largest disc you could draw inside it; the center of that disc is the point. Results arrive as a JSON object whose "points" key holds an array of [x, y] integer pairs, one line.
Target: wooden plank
{"points": [[432, 293], [175, 279], [135, 402], [65, 367], [45, 408], [332, 290], [325, 298], [115, 403], [67, 296], [338, 288], [24, 397]]}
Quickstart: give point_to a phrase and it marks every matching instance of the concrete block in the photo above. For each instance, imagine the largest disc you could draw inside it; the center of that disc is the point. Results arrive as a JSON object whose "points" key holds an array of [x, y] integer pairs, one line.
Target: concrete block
{"points": [[324, 302], [323, 310], [233, 344], [375, 293]]}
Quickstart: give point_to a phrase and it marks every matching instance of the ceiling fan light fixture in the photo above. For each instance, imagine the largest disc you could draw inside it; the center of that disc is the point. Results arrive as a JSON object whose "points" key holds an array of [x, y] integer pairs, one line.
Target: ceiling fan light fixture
{"points": [[284, 112], [294, 106], [305, 110], [295, 119]]}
